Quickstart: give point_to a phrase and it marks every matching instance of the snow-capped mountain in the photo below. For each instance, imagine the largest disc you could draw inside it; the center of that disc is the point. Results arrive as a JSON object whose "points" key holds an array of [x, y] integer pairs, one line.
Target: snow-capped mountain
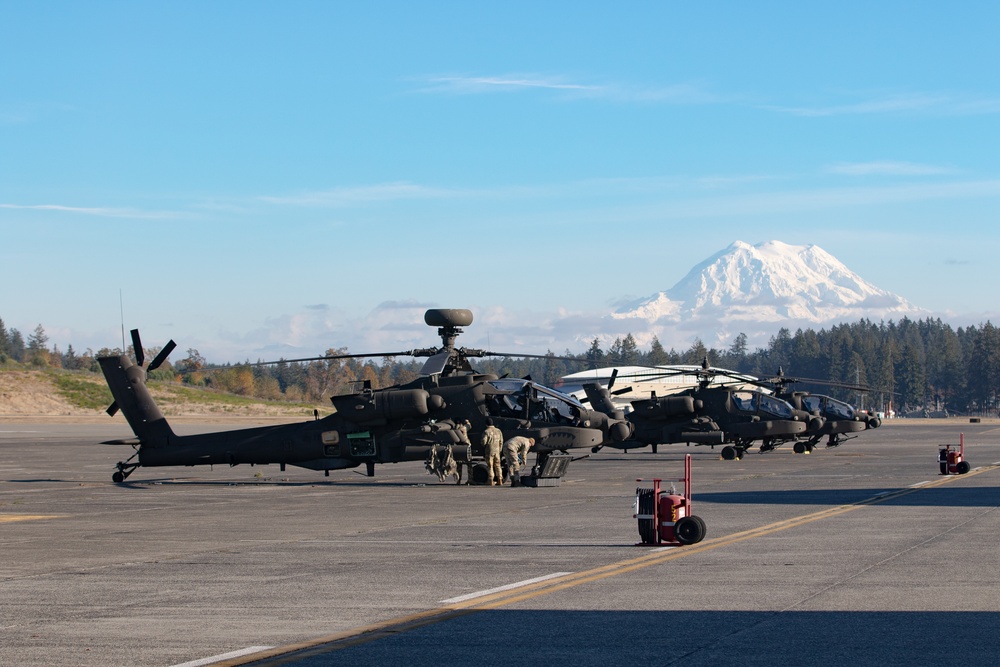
{"points": [[755, 289]]}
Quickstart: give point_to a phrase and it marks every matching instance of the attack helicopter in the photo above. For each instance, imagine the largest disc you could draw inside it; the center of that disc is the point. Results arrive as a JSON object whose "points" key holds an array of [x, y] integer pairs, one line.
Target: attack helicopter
{"points": [[841, 420], [406, 422], [710, 413]]}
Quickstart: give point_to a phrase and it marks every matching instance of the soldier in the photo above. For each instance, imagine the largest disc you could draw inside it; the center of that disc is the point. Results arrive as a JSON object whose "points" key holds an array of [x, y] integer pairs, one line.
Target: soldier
{"points": [[462, 431], [492, 441], [513, 450]]}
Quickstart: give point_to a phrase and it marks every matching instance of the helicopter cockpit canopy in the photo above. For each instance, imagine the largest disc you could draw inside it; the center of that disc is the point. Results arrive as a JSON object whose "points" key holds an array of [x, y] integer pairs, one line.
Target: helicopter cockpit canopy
{"points": [[829, 407], [753, 402], [524, 398]]}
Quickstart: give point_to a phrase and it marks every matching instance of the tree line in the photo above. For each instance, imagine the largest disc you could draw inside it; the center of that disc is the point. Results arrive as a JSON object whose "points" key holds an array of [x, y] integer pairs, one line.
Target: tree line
{"points": [[910, 364]]}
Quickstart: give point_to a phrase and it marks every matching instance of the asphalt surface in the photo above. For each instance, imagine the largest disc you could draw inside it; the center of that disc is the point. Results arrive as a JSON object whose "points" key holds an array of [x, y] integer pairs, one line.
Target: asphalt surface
{"points": [[862, 554]]}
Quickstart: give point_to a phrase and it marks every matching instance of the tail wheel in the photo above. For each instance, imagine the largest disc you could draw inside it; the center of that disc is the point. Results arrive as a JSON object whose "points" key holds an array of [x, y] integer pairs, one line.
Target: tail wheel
{"points": [[647, 503], [690, 530]]}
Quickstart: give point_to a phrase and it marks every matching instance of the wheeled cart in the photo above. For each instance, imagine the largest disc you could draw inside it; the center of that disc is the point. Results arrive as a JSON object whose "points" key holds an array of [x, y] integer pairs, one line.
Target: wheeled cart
{"points": [[951, 459], [664, 517]]}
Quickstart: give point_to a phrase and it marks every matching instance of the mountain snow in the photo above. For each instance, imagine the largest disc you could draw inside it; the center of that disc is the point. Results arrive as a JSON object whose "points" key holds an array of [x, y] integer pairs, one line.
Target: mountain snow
{"points": [[756, 289]]}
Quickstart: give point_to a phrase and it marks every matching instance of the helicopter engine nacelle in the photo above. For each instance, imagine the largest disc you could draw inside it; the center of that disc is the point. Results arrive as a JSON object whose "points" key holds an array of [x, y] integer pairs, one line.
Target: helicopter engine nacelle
{"points": [[382, 406], [667, 406]]}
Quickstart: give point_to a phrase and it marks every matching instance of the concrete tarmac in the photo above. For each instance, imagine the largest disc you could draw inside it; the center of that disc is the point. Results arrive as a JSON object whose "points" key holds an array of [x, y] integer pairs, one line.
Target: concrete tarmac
{"points": [[862, 554]]}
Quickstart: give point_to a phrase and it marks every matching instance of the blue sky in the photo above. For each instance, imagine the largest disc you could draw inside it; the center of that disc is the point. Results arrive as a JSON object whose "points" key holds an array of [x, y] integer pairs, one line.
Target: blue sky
{"points": [[260, 179]]}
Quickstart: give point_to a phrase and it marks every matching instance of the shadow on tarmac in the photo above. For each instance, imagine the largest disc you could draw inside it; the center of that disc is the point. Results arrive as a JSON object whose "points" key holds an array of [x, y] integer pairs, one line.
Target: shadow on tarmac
{"points": [[690, 638]]}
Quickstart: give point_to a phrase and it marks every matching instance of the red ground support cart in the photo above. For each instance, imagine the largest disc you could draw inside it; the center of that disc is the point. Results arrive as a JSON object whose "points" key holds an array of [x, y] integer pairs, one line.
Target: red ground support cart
{"points": [[951, 459], [664, 517]]}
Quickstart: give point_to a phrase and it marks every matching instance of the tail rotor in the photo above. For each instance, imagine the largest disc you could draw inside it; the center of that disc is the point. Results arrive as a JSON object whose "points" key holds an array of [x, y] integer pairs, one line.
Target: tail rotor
{"points": [[140, 358]]}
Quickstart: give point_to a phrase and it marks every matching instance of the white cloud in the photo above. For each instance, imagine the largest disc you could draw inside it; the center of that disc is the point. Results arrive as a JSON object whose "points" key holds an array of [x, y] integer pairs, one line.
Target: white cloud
{"points": [[471, 85], [887, 168], [932, 103], [348, 196], [682, 93], [104, 212]]}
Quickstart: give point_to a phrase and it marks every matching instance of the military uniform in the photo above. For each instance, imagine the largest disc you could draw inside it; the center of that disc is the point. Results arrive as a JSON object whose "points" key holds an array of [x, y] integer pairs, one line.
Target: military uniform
{"points": [[492, 442], [462, 431], [514, 450]]}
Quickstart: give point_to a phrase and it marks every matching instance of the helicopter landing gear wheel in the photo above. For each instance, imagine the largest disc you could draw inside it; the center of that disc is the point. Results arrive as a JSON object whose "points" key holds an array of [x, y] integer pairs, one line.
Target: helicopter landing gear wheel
{"points": [[125, 468], [800, 448], [729, 453]]}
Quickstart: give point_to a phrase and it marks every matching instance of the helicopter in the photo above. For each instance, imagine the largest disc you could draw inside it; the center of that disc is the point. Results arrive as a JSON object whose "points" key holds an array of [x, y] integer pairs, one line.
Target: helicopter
{"points": [[842, 421], [407, 422], [711, 413]]}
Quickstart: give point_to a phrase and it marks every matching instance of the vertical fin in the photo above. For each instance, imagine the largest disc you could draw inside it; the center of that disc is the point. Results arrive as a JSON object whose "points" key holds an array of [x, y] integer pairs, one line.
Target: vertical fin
{"points": [[127, 382]]}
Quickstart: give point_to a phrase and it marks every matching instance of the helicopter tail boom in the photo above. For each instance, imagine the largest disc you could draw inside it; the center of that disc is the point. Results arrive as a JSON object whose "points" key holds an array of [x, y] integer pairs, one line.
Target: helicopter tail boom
{"points": [[127, 382]]}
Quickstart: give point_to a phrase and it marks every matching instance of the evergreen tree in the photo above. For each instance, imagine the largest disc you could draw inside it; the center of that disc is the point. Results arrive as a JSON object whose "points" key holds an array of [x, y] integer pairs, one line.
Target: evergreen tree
{"points": [[657, 355], [629, 351], [595, 355], [38, 354]]}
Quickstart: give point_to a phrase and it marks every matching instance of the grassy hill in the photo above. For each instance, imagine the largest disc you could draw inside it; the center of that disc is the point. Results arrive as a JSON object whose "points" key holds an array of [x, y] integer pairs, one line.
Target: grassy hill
{"points": [[67, 393]]}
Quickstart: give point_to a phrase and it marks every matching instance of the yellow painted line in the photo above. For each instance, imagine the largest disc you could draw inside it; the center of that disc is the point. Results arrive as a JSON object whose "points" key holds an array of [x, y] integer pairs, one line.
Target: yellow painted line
{"points": [[367, 633], [11, 518]]}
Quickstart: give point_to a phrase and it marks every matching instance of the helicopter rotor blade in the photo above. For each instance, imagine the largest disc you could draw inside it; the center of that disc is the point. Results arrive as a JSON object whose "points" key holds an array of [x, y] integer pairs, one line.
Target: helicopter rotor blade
{"points": [[408, 353], [162, 356], [140, 356], [436, 363]]}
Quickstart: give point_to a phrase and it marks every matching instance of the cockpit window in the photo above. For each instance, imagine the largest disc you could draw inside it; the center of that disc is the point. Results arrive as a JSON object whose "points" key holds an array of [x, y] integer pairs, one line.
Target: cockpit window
{"points": [[775, 406], [536, 402], [745, 401], [839, 409]]}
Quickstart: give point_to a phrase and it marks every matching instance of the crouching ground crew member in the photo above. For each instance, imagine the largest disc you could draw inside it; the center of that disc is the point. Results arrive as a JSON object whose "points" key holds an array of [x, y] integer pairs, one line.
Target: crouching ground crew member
{"points": [[514, 450], [492, 442]]}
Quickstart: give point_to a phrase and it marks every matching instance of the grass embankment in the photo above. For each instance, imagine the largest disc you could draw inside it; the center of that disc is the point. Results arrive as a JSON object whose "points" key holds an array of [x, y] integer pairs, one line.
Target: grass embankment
{"points": [[80, 392]]}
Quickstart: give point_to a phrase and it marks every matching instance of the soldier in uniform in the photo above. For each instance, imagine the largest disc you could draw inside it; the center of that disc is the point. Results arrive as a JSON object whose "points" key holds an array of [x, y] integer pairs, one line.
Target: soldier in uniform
{"points": [[513, 450], [462, 431], [492, 442]]}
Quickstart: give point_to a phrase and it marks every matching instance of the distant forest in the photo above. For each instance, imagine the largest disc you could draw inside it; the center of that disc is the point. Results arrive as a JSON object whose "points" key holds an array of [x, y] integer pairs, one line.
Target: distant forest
{"points": [[923, 364]]}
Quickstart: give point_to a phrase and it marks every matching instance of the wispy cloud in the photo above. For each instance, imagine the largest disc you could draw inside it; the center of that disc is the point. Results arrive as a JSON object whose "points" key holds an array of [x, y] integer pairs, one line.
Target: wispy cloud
{"points": [[929, 103], [887, 168], [473, 85], [104, 212], [826, 198], [682, 93], [348, 196]]}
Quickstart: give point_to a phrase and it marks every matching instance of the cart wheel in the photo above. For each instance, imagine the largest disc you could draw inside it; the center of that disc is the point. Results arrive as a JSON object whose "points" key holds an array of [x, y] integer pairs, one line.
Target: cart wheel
{"points": [[963, 467], [479, 474], [647, 527], [689, 530]]}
